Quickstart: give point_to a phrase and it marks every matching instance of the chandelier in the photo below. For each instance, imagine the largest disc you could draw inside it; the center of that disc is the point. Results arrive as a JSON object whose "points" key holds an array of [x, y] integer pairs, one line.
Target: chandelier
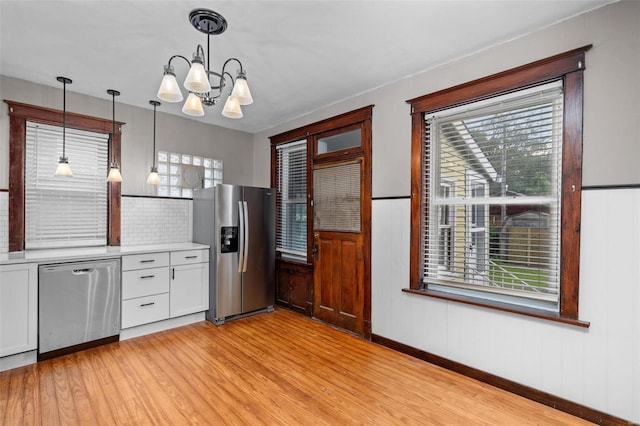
{"points": [[205, 86]]}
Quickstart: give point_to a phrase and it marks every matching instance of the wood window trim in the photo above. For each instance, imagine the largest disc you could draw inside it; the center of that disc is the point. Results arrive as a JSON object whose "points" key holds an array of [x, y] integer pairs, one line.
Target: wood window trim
{"points": [[19, 114], [568, 66]]}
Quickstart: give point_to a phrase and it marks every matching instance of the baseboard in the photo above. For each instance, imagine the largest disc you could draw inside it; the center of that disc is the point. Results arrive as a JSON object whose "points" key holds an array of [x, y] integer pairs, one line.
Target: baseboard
{"points": [[154, 327], [18, 360], [558, 403]]}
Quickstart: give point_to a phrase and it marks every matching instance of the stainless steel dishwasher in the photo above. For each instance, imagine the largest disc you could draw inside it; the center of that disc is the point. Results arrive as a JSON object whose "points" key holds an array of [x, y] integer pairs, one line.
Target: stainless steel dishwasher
{"points": [[78, 306]]}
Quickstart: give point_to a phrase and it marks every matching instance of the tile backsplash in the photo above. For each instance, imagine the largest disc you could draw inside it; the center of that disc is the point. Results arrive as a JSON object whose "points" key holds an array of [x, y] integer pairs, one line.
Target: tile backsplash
{"points": [[4, 222], [146, 220]]}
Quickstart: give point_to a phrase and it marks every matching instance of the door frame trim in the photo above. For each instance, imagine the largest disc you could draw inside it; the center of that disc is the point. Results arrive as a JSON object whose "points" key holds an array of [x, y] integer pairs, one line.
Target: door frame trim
{"points": [[362, 117]]}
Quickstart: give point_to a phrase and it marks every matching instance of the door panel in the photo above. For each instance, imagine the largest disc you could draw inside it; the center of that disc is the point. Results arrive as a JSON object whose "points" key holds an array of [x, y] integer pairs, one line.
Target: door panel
{"points": [[338, 279], [324, 291], [338, 238]]}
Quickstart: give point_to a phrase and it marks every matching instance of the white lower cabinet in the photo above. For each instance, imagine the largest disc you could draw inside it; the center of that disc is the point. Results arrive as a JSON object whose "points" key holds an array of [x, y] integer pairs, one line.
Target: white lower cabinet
{"points": [[145, 288], [18, 308], [162, 285], [189, 282]]}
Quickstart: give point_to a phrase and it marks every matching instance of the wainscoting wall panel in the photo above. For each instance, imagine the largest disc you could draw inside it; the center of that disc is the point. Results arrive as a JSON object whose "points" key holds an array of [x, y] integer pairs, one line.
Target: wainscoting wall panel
{"points": [[4, 221], [598, 367]]}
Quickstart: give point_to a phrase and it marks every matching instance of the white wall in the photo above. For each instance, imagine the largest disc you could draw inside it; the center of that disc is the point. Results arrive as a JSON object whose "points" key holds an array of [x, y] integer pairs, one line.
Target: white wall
{"points": [[173, 133], [598, 367], [179, 134]]}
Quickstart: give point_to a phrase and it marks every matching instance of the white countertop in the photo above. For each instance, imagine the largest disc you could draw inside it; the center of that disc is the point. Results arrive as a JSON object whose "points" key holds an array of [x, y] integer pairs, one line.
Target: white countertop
{"points": [[86, 253]]}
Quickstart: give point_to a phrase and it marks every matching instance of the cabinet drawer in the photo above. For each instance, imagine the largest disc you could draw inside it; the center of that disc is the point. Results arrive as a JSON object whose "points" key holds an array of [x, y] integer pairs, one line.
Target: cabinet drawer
{"points": [[147, 260], [189, 256], [145, 282], [142, 310]]}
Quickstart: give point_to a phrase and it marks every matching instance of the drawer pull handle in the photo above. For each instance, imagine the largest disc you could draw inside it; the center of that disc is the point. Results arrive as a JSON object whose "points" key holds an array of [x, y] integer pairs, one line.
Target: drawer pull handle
{"points": [[191, 257], [146, 277], [148, 261], [147, 304]]}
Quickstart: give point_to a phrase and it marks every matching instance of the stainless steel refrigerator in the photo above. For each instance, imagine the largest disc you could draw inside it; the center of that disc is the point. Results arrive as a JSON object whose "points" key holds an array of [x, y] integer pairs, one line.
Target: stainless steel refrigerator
{"points": [[238, 223]]}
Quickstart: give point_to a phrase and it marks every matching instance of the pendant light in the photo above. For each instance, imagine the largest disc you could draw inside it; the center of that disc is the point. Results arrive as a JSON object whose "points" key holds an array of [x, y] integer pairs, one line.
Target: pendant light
{"points": [[63, 168], [153, 178], [114, 171]]}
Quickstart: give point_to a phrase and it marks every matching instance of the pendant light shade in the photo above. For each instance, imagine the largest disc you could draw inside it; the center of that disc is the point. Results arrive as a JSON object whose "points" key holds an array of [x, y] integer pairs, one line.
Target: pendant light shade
{"points": [[193, 106], [114, 171], [153, 178], [63, 168], [197, 80], [232, 108], [241, 90], [169, 90]]}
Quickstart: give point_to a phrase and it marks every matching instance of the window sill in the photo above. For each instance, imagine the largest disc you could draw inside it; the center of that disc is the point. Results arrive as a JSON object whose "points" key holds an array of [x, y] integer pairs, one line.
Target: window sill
{"points": [[504, 307]]}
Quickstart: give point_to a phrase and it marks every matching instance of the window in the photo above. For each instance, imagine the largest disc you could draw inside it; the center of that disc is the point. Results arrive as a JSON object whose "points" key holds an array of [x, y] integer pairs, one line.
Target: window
{"points": [[181, 173], [496, 222], [19, 115], [506, 150], [65, 211], [291, 184]]}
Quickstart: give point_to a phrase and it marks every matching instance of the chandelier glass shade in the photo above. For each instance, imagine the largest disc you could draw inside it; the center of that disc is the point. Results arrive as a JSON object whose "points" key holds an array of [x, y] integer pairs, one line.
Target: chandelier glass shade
{"points": [[206, 87]]}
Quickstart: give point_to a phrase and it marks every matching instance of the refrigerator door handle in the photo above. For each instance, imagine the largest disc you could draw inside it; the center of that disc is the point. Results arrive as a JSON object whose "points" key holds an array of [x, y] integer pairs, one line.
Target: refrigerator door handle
{"points": [[246, 236], [241, 236]]}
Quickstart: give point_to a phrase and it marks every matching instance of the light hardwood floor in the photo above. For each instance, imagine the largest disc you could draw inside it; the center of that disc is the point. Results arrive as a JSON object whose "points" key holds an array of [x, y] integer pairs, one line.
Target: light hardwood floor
{"points": [[276, 368]]}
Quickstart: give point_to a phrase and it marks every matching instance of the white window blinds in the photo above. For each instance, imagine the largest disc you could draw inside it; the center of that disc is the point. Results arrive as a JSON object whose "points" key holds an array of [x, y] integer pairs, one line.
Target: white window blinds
{"points": [[493, 191], [291, 237], [336, 196], [65, 211]]}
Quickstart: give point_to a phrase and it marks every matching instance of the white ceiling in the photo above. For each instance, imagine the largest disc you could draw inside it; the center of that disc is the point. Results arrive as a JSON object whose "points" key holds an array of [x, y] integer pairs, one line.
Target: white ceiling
{"points": [[299, 55]]}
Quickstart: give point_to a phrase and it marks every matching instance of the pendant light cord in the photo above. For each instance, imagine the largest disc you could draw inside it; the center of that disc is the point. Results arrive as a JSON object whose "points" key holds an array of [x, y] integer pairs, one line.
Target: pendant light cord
{"points": [[154, 134], [113, 110], [113, 94], [64, 117]]}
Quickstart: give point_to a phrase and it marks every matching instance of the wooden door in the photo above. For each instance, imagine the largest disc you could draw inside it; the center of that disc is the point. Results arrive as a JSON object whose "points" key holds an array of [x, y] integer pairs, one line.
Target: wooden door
{"points": [[339, 278]]}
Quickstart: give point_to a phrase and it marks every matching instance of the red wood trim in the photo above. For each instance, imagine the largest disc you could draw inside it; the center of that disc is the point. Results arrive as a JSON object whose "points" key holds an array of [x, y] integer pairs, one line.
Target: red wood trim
{"points": [[341, 120], [4, 190], [569, 66], [114, 192], [17, 140], [19, 114], [547, 399], [350, 120], [418, 202], [54, 117], [514, 79], [504, 307], [366, 138], [571, 194]]}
